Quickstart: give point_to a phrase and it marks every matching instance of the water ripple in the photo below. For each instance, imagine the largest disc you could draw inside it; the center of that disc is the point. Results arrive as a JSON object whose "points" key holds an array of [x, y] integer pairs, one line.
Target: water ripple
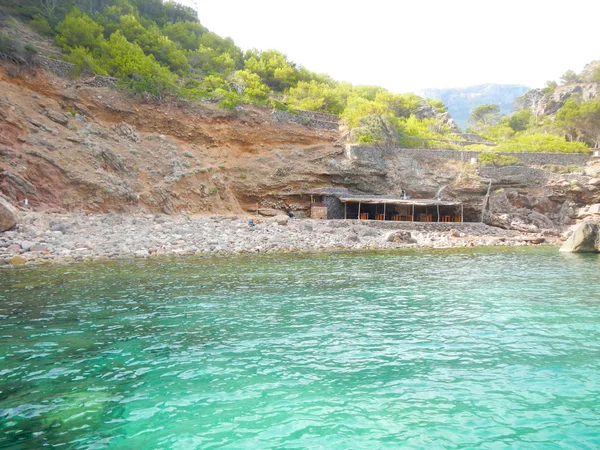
{"points": [[494, 348]]}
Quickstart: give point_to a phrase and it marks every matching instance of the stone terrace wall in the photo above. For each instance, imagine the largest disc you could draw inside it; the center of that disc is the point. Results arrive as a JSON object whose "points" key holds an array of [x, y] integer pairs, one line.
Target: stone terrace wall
{"points": [[66, 70], [374, 153], [320, 121], [57, 67], [514, 175]]}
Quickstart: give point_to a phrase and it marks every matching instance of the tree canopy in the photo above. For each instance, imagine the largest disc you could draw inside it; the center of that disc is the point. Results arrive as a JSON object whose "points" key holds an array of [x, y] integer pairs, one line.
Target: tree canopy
{"points": [[161, 47]]}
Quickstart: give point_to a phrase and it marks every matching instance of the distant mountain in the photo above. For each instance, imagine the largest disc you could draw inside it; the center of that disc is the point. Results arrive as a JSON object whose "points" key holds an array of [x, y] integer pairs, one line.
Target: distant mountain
{"points": [[462, 101]]}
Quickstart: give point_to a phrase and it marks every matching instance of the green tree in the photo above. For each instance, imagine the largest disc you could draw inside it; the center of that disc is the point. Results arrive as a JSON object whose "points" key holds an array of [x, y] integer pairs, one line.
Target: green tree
{"points": [[580, 120], [484, 116], [85, 62], [79, 30], [520, 120], [358, 107], [569, 77], [41, 25], [186, 33], [316, 96], [273, 67], [128, 61], [164, 50], [249, 86], [550, 87], [402, 105]]}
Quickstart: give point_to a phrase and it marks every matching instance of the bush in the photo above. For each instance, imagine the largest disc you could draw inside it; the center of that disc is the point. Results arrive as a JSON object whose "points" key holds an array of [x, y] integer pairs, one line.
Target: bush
{"points": [[41, 25], [17, 52], [85, 63], [541, 143], [555, 168], [494, 159]]}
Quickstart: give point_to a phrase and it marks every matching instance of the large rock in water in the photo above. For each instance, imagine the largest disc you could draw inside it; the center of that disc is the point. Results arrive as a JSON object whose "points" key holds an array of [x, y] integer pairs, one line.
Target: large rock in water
{"points": [[585, 239], [9, 216]]}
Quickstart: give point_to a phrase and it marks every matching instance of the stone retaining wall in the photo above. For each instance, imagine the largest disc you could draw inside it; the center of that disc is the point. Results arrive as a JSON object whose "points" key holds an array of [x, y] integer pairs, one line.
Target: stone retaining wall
{"points": [[514, 175], [320, 121], [371, 153], [67, 70], [57, 67]]}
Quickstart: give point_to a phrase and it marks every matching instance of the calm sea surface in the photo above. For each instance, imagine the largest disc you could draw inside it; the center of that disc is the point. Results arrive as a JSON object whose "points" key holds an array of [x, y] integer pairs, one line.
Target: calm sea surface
{"points": [[496, 348]]}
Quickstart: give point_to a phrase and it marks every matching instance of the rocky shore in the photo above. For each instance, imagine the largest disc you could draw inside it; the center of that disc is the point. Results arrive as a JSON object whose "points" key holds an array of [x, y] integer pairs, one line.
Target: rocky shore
{"points": [[43, 237]]}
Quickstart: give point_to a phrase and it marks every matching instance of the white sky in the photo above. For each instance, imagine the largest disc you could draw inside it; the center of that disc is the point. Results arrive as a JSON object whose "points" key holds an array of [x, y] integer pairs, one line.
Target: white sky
{"points": [[409, 45]]}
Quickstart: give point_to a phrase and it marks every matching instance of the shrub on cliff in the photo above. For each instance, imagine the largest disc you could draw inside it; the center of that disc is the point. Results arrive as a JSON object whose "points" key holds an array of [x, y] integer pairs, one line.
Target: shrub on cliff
{"points": [[138, 71], [494, 159], [541, 143], [81, 30], [22, 54], [85, 63]]}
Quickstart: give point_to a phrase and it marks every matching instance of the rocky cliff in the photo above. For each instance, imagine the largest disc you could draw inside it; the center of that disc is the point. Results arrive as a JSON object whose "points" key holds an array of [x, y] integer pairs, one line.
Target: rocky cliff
{"points": [[546, 102], [69, 145]]}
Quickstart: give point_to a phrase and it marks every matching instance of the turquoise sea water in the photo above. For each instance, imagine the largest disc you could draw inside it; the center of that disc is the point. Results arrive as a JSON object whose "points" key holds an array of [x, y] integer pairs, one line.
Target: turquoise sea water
{"points": [[495, 348]]}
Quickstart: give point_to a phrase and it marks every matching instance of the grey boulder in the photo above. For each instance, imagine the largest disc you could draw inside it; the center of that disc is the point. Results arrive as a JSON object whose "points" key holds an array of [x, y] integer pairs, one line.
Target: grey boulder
{"points": [[585, 239], [9, 215]]}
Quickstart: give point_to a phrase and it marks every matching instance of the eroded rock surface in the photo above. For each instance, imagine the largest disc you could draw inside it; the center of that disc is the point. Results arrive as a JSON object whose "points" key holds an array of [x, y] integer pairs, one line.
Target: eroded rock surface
{"points": [[585, 239], [9, 215]]}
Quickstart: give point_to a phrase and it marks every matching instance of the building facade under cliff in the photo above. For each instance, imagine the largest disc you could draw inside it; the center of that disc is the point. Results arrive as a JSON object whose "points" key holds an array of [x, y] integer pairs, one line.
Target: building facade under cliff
{"points": [[334, 203]]}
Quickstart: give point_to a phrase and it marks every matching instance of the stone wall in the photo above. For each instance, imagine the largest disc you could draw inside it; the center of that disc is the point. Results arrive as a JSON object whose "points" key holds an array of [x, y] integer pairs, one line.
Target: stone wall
{"points": [[335, 208], [57, 67], [67, 70], [310, 119], [318, 212], [374, 153], [514, 175]]}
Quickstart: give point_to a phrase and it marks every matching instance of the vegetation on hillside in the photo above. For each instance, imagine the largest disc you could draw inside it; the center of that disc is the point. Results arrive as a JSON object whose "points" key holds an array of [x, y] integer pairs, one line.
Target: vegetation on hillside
{"points": [[160, 47], [574, 128]]}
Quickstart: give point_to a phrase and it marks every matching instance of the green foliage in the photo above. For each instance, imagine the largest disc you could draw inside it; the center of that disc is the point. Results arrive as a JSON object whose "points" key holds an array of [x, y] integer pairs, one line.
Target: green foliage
{"points": [[400, 105], [186, 33], [580, 120], [41, 25], [555, 168], [431, 128], [17, 52], [494, 159], [374, 129], [520, 120], [273, 68], [541, 143], [210, 62], [498, 133], [162, 48], [85, 63], [358, 107], [569, 77], [316, 96], [228, 99], [249, 87], [438, 105], [142, 73], [79, 29], [550, 87], [484, 116]]}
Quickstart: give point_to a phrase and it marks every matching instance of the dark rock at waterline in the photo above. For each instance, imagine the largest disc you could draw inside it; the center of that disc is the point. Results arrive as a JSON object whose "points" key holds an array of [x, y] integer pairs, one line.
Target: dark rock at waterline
{"points": [[585, 239]]}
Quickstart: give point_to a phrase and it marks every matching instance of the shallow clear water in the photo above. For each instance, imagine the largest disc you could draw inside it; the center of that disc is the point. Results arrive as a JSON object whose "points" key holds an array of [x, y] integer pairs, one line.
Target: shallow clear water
{"points": [[490, 348]]}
